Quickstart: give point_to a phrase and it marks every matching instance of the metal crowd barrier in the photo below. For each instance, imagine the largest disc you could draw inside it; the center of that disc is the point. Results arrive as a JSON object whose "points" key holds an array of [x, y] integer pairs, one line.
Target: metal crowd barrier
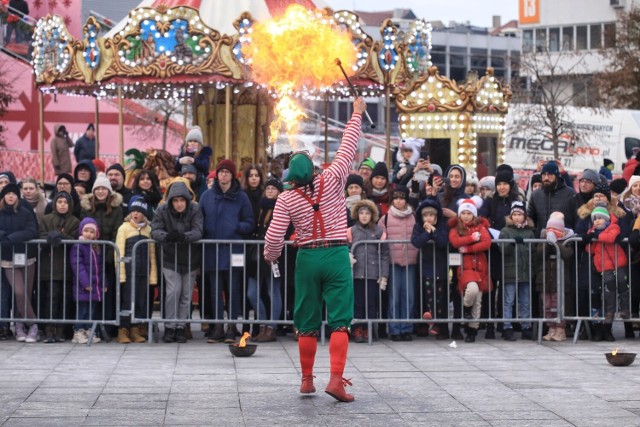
{"points": [[38, 286]]}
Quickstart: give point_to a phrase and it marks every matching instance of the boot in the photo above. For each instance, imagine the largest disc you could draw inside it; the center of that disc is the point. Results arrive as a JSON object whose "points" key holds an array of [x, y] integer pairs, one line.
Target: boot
{"points": [[471, 335], [169, 335], [336, 386], [466, 313], [307, 386], [144, 330], [490, 333], [260, 337], [187, 331], [443, 332], [32, 336], [357, 335], [180, 337], [49, 333], [628, 330], [508, 335], [270, 334], [560, 335], [597, 332], [136, 336], [456, 334], [606, 332], [80, 337], [550, 334], [123, 336], [59, 334], [230, 334], [217, 333]]}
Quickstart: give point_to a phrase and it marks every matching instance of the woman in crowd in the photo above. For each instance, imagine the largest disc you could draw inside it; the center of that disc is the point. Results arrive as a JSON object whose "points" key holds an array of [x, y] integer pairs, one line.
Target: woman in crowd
{"points": [[147, 185], [33, 196]]}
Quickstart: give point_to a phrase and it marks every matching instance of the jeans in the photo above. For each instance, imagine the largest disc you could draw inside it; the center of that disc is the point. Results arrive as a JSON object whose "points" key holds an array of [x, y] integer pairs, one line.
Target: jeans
{"points": [[86, 311], [524, 302], [365, 297], [401, 297], [178, 291], [273, 285], [231, 282], [6, 295]]}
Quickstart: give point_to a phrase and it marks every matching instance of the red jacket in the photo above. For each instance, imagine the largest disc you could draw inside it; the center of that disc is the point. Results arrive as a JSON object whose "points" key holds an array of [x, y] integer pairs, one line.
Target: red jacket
{"points": [[475, 267], [606, 250], [629, 167]]}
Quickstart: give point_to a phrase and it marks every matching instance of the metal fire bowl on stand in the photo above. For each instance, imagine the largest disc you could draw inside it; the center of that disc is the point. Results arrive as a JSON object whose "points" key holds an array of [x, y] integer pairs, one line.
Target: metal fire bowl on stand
{"points": [[245, 351], [620, 359]]}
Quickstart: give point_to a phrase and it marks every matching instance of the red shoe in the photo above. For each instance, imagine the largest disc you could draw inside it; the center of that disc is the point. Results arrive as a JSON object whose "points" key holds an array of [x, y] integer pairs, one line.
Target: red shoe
{"points": [[428, 316], [336, 386], [307, 386]]}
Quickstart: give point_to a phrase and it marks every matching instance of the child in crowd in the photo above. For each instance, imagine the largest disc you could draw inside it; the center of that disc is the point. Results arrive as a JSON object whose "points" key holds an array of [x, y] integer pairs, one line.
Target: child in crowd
{"points": [[371, 265], [378, 187], [194, 152], [469, 234], [516, 267], [407, 157], [354, 192], [398, 224], [58, 225], [135, 228], [547, 272], [610, 261], [631, 196], [88, 285], [430, 236]]}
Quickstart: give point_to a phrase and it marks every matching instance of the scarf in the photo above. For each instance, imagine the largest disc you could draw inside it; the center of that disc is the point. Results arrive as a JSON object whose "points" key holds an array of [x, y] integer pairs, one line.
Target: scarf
{"points": [[351, 200], [377, 192], [400, 214]]}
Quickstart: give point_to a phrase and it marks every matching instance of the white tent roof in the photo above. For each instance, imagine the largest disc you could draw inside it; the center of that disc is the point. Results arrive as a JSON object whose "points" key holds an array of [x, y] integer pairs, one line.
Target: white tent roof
{"points": [[220, 14]]}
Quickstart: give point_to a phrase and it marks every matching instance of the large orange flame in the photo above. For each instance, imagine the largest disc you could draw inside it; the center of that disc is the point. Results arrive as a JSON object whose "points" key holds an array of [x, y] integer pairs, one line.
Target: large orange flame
{"points": [[294, 51]]}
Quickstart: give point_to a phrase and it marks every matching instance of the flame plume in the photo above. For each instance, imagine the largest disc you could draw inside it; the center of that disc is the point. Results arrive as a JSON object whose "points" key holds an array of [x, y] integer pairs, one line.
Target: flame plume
{"points": [[294, 51]]}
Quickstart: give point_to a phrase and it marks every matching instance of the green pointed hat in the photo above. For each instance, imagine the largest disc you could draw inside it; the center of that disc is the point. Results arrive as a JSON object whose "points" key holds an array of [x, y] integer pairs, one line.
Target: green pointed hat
{"points": [[300, 169]]}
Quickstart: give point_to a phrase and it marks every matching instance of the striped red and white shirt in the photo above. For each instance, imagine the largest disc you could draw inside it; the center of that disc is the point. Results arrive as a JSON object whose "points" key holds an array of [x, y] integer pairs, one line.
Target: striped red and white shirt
{"points": [[291, 207]]}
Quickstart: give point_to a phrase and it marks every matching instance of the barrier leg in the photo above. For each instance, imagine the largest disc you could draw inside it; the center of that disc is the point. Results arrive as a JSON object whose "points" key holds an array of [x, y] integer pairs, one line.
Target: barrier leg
{"points": [[576, 333], [92, 332]]}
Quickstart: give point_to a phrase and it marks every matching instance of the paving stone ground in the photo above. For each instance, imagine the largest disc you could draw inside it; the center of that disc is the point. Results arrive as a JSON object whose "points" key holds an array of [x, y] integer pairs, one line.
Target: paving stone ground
{"points": [[419, 383]]}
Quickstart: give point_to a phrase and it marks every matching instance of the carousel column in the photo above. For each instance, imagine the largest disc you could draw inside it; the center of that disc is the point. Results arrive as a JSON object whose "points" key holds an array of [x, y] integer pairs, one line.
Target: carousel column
{"points": [[41, 100], [227, 122], [120, 125], [184, 119], [97, 120], [387, 119]]}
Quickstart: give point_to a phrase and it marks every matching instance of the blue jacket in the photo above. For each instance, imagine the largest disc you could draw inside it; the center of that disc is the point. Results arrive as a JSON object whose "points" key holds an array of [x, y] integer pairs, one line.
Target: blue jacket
{"points": [[432, 243], [227, 216], [17, 226]]}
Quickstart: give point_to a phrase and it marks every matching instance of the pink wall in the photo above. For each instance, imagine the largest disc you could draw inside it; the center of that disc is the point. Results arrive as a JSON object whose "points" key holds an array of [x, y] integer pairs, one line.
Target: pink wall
{"points": [[22, 120]]}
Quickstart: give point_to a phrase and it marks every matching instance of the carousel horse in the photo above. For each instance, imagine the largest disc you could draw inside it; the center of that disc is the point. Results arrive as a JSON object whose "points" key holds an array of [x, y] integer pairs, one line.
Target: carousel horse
{"points": [[162, 163]]}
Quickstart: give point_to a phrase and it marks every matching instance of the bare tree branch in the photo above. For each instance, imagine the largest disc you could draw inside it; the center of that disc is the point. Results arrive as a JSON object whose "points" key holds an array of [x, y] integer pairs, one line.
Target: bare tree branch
{"points": [[6, 96]]}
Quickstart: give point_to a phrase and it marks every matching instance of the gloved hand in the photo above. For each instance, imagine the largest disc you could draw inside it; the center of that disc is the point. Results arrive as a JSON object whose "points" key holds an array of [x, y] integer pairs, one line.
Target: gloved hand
{"points": [[186, 160], [352, 259], [551, 237], [54, 238], [476, 236], [382, 282], [518, 239], [463, 249], [173, 237], [587, 238]]}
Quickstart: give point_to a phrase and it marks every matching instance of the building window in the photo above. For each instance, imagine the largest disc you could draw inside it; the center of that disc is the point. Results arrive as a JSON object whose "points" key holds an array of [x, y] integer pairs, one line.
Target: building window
{"points": [[609, 35], [541, 39], [527, 41], [581, 37], [595, 36], [458, 63], [584, 93], [479, 61], [554, 39], [567, 38], [439, 58]]}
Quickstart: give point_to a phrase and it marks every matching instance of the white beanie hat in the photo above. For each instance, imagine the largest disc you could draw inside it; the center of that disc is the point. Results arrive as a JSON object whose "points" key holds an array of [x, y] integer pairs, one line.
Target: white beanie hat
{"points": [[472, 204], [102, 181], [194, 134]]}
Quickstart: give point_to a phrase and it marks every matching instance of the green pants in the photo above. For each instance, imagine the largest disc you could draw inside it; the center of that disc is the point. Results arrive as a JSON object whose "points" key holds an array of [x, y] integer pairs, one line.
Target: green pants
{"points": [[323, 274]]}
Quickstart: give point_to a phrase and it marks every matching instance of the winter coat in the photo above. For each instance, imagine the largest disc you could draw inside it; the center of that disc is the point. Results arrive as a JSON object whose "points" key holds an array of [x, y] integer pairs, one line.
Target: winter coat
{"points": [[188, 223], [38, 207], [397, 228], [584, 223], [518, 257], [226, 216], [559, 199], [201, 161], [17, 226], [86, 264], [607, 254], [54, 260], [60, 155], [145, 256], [547, 263], [85, 148], [432, 245], [372, 260], [496, 209], [382, 202], [108, 222], [88, 164], [474, 266]]}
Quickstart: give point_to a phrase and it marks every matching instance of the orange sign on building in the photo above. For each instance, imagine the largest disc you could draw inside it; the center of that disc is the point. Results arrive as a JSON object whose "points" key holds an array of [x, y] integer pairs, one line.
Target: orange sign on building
{"points": [[529, 11]]}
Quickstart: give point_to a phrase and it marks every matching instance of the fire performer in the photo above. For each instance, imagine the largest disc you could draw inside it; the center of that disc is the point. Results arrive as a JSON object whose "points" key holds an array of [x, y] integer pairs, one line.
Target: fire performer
{"points": [[316, 207]]}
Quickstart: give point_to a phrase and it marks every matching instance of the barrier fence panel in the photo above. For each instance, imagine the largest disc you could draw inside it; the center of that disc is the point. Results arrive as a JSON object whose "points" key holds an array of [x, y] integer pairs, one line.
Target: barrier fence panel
{"points": [[70, 283], [605, 288]]}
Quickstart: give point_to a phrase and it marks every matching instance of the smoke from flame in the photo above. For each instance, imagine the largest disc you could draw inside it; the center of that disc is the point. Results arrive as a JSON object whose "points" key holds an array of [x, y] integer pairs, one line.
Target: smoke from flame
{"points": [[295, 50]]}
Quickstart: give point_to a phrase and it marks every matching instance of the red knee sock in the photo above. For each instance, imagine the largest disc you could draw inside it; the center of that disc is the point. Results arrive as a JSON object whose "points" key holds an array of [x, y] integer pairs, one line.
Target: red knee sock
{"points": [[307, 347], [338, 346]]}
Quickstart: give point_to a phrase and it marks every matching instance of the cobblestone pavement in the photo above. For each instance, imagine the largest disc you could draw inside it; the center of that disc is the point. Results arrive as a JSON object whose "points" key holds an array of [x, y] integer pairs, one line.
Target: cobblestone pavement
{"points": [[419, 383]]}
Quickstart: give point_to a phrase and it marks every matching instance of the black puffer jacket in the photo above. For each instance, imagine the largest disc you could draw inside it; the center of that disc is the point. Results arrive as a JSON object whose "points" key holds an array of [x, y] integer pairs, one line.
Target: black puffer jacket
{"points": [[543, 202], [17, 226]]}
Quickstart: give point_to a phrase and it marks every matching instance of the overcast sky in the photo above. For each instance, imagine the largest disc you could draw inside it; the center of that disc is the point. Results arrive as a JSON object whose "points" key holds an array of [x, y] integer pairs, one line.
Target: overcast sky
{"points": [[477, 12]]}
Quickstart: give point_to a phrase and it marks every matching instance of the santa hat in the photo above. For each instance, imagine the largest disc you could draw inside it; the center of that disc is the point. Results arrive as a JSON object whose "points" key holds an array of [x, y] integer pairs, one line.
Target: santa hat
{"points": [[472, 204]]}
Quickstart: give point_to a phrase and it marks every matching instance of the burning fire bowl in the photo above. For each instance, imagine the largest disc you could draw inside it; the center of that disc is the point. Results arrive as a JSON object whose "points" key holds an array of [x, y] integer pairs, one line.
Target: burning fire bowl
{"points": [[245, 351], [620, 359]]}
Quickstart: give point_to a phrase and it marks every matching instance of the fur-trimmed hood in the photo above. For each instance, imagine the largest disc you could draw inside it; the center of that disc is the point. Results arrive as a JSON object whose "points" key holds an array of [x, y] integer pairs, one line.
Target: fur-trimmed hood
{"points": [[368, 204], [88, 201], [529, 221], [585, 210]]}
